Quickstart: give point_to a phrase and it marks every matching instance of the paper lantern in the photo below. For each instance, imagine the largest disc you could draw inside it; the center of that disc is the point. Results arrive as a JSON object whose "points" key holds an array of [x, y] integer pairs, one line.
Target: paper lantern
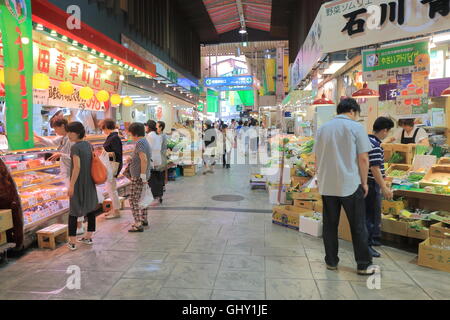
{"points": [[86, 93], [66, 88], [127, 101], [2, 76], [41, 81], [116, 99], [102, 96]]}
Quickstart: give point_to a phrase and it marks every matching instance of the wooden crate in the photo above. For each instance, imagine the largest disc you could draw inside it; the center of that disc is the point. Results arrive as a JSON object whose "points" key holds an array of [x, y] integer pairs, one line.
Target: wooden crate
{"points": [[392, 167], [441, 172], [444, 161], [406, 150]]}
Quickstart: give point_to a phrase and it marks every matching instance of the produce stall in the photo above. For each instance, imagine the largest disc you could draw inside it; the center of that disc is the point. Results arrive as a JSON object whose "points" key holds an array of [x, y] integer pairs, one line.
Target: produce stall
{"points": [[37, 193]]}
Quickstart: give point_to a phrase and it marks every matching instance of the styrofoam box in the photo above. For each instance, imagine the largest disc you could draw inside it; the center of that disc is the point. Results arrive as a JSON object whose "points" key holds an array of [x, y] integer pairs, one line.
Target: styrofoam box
{"points": [[273, 196], [273, 174], [311, 226]]}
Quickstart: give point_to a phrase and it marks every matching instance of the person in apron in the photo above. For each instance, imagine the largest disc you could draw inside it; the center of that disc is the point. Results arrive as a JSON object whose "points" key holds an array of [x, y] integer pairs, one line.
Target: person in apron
{"points": [[409, 134]]}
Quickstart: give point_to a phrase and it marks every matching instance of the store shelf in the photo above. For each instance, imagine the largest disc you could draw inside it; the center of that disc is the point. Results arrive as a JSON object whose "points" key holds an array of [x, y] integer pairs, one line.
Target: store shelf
{"points": [[35, 169], [40, 185], [38, 149], [44, 202], [422, 195], [41, 221]]}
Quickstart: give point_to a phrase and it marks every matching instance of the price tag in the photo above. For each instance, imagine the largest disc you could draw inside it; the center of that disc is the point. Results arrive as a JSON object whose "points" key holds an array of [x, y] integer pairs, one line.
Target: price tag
{"points": [[21, 166], [32, 201], [46, 196], [59, 194]]}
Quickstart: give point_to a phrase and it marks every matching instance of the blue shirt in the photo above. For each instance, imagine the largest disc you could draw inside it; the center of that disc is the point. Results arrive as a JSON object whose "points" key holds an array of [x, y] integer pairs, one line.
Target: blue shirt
{"points": [[376, 156], [337, 146]]}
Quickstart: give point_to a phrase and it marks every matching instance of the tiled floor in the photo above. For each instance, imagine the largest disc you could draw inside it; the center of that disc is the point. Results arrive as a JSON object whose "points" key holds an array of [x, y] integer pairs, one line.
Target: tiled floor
{"points": [[197, 248]]}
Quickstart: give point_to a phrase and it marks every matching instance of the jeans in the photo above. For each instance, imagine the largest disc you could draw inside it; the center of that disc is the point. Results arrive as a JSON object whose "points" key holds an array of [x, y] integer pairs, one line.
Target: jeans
{"points": [[354, 206], [373, 212], [111, 188], [73, 224]]}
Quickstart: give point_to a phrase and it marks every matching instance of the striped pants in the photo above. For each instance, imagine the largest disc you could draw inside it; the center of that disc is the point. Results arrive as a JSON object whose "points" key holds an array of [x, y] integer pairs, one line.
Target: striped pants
{"points": [[140, 215]]}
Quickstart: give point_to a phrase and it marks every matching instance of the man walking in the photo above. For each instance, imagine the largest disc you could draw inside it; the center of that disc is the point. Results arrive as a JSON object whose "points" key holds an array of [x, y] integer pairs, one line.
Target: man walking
{"points": [[341, 149]]}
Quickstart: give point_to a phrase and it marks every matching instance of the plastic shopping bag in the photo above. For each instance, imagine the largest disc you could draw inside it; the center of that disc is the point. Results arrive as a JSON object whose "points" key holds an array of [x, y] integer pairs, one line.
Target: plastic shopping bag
{"points": [[100, 195], [146, 197], [105, 160]]}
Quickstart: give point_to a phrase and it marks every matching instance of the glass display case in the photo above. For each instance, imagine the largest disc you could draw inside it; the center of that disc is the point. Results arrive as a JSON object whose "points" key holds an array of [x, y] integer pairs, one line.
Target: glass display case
{"points": [[41, 188]]}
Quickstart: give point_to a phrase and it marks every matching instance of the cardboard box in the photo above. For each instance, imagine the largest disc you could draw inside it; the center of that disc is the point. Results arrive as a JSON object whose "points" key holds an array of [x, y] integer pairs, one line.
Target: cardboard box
{"points": [[289, 216], [299, 180], [6, 221], [418, 234], [311, 226], [188, 174], [313, 194], [395, 227], [434, 257], [392, 207], [3, 238], [344, 231], [440, 234], [304, 204]]}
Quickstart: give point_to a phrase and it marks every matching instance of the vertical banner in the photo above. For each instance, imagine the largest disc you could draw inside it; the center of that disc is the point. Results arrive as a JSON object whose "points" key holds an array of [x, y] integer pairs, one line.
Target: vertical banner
{"points": [[270, 68], [16, 28], [279, 87]]}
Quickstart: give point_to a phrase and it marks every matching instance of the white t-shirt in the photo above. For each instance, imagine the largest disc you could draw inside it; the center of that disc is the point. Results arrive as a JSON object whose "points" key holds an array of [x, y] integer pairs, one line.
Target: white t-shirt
{"points": [[155, 142], [421, 134]]}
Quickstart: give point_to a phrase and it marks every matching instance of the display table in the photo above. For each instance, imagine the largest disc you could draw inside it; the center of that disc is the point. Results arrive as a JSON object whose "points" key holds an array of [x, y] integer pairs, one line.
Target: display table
{"points": [[425, 200]]}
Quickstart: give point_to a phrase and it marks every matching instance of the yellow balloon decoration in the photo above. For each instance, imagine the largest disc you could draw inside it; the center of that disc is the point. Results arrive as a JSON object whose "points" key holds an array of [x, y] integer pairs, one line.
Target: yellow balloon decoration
{"points": [[127, 101], [86, 93], [66, 88], [102, 96], [116, 99], [41, 81], [2, 76]]}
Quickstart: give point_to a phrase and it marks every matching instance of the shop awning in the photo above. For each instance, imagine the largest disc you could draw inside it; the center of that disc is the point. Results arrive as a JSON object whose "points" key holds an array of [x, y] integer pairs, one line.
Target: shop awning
{"points": [[54, 18]]}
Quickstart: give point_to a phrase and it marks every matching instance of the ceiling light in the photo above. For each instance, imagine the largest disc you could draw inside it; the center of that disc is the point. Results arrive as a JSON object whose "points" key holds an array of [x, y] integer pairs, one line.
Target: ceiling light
{"points": [[121, 77], [102, 54], [64, 38], [85, 48], [323, 101], [334, 67], [109, 72], [75, 43], [25, 40], [53, 33], [242, 31], [441, 37], [366, 93], [39, 27]]}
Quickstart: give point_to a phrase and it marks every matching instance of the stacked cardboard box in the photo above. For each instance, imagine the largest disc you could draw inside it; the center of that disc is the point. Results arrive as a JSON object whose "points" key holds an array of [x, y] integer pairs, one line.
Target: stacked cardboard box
{"points": [[289, 216], [440, 234]]}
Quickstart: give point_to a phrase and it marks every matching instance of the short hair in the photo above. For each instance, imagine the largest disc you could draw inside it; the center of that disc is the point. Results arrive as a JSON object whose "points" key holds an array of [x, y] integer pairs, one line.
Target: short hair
{"points": [[232, 120], [383, 123], [151, 124], [109, 124], [406, 122], [240, 122], [347, 105], [137, 129], [59, 122], [78, 128], [162, 125]]}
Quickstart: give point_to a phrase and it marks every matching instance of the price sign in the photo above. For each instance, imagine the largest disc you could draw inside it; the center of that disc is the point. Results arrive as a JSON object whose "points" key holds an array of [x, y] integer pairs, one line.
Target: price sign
{"points": [[21, 166], [32, 201]]}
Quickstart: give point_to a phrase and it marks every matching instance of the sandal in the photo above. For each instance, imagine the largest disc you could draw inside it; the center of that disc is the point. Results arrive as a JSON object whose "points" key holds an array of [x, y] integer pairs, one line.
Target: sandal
{"points": [[136, 229]]}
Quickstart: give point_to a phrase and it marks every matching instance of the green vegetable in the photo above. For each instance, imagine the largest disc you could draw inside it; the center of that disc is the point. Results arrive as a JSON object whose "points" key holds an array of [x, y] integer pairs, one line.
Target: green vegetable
{"points": [[396, 158], [397, 173], [415, 178], [421, 150], [285, 140], [436, 181]]}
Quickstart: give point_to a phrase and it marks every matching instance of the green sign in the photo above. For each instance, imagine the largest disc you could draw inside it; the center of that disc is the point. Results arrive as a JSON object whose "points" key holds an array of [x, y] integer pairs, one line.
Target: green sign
{"points": [[410, 55], [16, 28], [200, 106], [172, 76]]}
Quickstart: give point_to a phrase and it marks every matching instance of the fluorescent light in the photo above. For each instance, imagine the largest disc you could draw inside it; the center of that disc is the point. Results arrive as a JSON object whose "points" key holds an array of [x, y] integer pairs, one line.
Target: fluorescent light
{"points": [[242, 31], [39, 27], [441, 37], [121, 77], [25, 40], [109, 72], [334, 67]]}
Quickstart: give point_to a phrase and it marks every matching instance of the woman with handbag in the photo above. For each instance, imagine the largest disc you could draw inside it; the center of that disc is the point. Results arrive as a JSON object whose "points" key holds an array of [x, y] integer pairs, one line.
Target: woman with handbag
{"points": [[82, 190], [113, 146], [156, 182]]}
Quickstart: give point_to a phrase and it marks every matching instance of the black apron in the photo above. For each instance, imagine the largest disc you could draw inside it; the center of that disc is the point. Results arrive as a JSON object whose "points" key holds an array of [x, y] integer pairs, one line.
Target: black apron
{"points": [[411, 140]]}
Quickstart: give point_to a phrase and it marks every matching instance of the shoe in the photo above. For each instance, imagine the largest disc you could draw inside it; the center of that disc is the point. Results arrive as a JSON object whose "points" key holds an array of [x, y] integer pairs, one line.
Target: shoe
{"points": [[80, 231], [370, 270], [228, 166], [331, 267], [86, 241], [160, 200], [136, 229], [374, 252], [71, 246], [145, 224], [154, 203], [376, 243]]}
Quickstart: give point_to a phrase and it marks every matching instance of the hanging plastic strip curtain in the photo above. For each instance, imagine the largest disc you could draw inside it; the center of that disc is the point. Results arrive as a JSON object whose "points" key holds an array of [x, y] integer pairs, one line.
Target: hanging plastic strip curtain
{"points": [[247, 97]]}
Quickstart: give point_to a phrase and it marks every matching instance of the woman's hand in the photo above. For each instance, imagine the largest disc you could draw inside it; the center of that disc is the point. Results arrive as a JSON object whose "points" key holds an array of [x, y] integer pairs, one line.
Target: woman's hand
{"points": [[71, 191], [56, 156]]}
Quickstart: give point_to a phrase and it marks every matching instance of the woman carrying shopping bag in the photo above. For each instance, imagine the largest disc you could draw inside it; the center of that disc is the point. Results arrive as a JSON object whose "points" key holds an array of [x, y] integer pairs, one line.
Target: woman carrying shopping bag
{"points": [[156, 182], [113, 148]]}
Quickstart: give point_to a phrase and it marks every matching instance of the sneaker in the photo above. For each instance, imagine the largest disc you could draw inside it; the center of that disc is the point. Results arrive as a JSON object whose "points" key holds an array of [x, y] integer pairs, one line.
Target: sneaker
{"points": [[72, 246], [85, 241], [370, 270], [374, 252], [333, 268]]}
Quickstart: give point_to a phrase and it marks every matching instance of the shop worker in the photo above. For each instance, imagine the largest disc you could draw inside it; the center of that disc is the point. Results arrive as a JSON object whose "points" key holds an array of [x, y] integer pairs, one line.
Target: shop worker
{"points": [[409, 134], [376, 183], [342, 160]]}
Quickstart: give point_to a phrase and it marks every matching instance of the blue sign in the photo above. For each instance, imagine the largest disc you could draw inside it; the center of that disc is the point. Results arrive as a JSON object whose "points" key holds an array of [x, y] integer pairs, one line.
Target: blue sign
{"points": [[233, 88], [229, 81]]}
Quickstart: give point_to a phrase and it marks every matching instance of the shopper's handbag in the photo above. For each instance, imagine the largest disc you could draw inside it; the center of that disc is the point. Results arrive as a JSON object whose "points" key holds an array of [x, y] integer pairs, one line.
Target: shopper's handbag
{"points": [[146, 196], [114, 165], [98, 170]]}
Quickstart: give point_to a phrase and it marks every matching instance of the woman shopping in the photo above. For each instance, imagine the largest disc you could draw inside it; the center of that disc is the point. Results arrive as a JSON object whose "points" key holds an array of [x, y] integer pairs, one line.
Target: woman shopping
{"points": [[156, 182], [82, 190], [160, 125], [113, 146]]}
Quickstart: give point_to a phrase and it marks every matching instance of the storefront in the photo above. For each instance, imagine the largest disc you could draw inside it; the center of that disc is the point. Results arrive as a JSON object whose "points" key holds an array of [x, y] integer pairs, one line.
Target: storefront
{"points": [[53, 71]]}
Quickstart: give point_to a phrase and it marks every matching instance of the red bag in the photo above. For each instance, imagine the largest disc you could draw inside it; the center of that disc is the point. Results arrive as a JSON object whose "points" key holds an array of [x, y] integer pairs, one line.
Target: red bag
{"points": [[98, 170]]}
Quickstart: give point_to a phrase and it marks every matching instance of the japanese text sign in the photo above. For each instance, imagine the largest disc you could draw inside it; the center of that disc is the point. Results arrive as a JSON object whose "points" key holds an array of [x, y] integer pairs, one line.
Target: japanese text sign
{"points": [[229, 81]]}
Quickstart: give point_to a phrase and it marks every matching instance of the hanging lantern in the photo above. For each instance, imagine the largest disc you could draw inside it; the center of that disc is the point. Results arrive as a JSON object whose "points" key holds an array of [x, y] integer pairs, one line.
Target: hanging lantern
{"points": [[127, 101], [446, 92], [366, 93], [41, 81], [323, 101], [102, 96], [2, 76], [116, 99], [86, 93], [66, 88]]}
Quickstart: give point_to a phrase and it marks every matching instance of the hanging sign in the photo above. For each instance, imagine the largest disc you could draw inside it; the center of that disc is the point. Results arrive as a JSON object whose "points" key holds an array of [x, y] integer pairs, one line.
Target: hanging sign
{"points": [[229, 81], [381, 64], [16, 28]]}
